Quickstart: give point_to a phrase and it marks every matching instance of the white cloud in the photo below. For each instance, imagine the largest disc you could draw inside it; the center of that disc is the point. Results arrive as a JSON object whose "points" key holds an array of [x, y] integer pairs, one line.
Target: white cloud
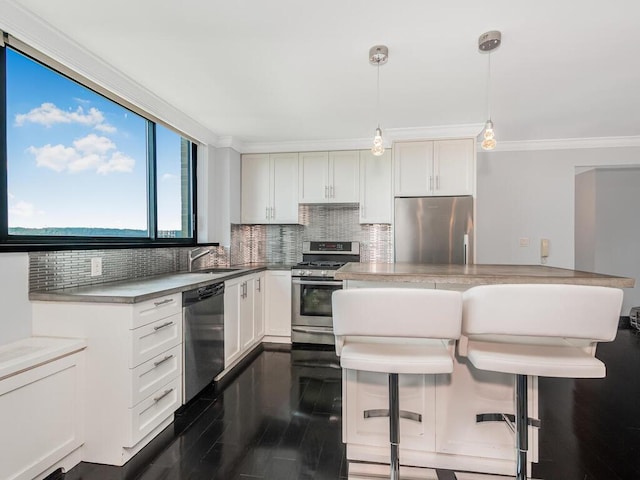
{"points": [[94, 144], [168, 177], [106, 128], [118, 162], [55, 157], [22, 209], [48, 114], [88, 153]]}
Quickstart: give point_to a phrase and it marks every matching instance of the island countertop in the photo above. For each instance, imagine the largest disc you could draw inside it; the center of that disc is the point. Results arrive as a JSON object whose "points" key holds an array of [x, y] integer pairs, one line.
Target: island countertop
{"points": [[477, 274]]}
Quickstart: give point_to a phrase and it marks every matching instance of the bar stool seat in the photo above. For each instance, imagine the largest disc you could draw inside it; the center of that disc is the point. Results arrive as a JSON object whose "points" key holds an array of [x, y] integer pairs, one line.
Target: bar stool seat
{"points": [[553, 358], [396, 331], [430, 358], [536, 330]]}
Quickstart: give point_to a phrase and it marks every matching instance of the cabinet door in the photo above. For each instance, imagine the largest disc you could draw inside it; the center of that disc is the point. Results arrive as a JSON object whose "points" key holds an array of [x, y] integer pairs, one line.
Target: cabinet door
{"points": [[247, 336], [413, 169], [258, 306], [344, 176], [278, 303], [454, 167], [255, 189], [232, 299], [284, 187], [313, 177], [375, 187]]}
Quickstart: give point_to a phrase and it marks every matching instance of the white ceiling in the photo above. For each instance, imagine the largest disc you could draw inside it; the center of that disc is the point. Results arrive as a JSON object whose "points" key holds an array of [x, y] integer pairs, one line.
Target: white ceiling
{"points": [[294, 70]]}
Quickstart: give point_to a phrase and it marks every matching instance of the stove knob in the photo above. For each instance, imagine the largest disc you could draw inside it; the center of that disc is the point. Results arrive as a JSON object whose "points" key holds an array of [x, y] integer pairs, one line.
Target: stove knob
{"points": [[324, 273], [308, 273]]}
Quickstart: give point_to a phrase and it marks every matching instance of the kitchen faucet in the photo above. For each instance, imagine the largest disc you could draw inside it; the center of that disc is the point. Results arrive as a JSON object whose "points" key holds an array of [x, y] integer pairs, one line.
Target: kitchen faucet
{"points": [[193, 258]]}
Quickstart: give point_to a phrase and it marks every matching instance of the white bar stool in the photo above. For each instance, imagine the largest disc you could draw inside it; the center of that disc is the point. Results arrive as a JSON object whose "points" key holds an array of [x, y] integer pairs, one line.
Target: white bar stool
{"points": [[371, 326], [537, 330]]}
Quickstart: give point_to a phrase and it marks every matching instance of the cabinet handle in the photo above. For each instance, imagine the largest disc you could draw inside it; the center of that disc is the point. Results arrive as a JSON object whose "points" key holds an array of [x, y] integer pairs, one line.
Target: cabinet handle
{"points": [[160, 362], [326, 191], [162, 395], [431, 182], [163, 302], [164, 325], [259, 285], [266, 213], [437, 182], [331, 192], [273, 212]]}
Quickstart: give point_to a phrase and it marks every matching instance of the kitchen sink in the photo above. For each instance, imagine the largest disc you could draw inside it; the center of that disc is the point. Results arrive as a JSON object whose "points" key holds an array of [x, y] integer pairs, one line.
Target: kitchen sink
{"points": [[217, 270]]}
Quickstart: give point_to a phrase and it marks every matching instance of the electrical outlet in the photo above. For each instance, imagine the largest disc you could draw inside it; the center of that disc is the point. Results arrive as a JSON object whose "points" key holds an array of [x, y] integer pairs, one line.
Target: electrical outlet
{"points": [[96, 266], [524, 242]]}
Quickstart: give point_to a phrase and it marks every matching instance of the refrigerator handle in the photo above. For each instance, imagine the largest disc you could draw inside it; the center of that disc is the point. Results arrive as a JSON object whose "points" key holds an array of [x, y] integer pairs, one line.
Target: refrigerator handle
{"points": [[466, 248]]}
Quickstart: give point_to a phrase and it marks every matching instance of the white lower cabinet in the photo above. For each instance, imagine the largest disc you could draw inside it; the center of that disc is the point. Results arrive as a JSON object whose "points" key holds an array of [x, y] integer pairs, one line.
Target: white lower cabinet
{"points": [[278, 306], [243, 316], [41, 410], [133, 369]]}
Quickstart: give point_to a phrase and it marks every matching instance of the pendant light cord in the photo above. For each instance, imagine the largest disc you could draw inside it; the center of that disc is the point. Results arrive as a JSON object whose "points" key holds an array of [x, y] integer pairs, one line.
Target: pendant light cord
{"points": [[378, 95], [489, 89]]}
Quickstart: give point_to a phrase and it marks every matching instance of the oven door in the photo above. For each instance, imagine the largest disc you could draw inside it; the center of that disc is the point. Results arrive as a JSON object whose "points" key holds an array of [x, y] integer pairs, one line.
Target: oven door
{"points": [[311, 320]]}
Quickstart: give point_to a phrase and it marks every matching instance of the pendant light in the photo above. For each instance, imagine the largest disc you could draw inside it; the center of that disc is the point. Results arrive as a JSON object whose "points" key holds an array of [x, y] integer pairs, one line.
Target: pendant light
{"points": [[486, 43], [378, 55]]}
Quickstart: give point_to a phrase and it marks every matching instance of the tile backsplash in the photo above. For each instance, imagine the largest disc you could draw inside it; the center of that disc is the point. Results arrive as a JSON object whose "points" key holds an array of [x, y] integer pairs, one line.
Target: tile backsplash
{"points": [[249, 244], [283, 243]]}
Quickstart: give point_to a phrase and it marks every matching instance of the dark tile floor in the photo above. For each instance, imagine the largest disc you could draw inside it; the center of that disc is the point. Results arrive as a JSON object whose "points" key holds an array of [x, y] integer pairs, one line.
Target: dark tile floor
{"points": [[280, 419]]}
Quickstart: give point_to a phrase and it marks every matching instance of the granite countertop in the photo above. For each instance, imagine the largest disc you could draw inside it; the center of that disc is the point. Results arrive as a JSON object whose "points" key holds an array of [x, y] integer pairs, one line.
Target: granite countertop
{"points": [[478, 274], [139, 290]]}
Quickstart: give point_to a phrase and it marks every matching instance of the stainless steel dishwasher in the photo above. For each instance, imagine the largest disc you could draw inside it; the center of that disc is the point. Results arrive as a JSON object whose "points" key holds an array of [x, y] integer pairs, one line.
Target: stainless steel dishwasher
{"points": [[203, 346]]}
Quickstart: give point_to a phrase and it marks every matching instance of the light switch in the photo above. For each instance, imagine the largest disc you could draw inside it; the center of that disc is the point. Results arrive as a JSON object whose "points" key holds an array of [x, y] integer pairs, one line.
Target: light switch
{"points": [[524, 242]]}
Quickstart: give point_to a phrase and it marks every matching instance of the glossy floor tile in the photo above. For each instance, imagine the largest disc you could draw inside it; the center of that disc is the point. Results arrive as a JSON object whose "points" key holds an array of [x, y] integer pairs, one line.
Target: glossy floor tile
{"points": [[280, 419]]}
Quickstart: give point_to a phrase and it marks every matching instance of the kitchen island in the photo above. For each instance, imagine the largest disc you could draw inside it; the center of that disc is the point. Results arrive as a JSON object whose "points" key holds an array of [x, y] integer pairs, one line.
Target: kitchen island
{"points": [[448, 436], [467, 276]]}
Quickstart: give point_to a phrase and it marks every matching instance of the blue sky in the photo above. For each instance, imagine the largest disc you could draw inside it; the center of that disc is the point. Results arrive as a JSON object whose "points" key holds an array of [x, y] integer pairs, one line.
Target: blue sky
{"points": [[76, 159]]}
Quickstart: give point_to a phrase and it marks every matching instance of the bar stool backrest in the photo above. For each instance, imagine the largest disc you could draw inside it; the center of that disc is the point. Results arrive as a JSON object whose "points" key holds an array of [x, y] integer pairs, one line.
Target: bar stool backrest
{"points": [[397, 312], [542, 310]]}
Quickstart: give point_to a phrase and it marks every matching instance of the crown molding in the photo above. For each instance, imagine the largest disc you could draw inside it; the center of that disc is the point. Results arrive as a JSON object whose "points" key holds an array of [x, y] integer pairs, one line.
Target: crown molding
{"points": [[32, 30], [564, 144], [390, 135]]}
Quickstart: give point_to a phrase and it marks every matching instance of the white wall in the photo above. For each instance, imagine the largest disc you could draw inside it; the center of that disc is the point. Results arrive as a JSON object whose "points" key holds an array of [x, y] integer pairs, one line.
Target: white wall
{"points": [[15, 315], [532, 194], [609, 217]]}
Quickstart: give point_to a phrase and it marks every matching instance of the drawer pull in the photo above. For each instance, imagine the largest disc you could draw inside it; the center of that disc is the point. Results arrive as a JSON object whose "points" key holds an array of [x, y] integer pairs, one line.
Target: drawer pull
{"points": [[162, 395], [160, 362], [162, 326], [163, 302]]}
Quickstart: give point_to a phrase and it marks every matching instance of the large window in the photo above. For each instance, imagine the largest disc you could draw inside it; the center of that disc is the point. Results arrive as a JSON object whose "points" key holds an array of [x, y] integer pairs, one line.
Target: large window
{"points": [[80, 168]]}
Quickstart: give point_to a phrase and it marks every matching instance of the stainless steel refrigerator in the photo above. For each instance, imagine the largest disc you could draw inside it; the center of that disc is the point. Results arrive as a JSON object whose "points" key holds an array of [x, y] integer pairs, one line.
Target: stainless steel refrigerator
{"points": [[434, 230]]}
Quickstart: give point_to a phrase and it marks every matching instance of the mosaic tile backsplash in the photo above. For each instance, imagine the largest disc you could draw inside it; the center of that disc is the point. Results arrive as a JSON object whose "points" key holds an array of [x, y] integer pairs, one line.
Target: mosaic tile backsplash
{"points": [[283, 243], [249, 244]]}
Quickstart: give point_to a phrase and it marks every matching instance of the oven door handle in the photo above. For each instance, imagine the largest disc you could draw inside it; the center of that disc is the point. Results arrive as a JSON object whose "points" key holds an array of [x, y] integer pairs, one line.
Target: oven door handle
{"points": [[315, 330], [299, 281]]}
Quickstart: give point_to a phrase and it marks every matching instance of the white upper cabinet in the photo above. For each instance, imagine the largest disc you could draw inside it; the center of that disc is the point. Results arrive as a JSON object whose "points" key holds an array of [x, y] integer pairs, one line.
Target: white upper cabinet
{"points": [[434, 168], [329, 177], [270, 188], [375, 187]]}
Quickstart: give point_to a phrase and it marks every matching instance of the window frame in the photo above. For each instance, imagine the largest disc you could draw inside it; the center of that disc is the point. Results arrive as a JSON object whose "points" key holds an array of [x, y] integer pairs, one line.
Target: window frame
{"points": [[13, 243]]}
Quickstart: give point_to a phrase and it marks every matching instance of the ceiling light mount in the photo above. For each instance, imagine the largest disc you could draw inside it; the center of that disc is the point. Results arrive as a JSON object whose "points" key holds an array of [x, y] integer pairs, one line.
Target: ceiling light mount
{"points": [[489, 41], [378, 55]]}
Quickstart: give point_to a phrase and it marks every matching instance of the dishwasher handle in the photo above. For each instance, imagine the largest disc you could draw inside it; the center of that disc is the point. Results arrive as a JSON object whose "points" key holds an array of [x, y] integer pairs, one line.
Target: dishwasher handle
{"points": [[199, 294]]}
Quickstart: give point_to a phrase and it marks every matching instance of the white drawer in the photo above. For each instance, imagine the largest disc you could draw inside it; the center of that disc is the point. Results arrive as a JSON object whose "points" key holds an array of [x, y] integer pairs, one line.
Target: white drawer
{"points": [[151, 375], [153, 410], [155, 309], [151, 340]]}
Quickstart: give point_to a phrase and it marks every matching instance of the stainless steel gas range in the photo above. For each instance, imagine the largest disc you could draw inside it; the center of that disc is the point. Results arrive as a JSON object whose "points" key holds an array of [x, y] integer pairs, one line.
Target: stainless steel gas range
{"points": [[312, 285]]}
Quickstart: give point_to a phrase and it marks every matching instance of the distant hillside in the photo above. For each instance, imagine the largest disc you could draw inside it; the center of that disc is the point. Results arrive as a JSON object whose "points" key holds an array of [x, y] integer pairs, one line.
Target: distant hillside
{"points": [[78, 232]]}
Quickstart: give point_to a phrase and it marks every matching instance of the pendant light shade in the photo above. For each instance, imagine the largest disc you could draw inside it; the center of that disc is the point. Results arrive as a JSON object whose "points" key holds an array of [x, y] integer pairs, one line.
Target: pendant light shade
{"points": [[378, 55], [486, 43]]}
